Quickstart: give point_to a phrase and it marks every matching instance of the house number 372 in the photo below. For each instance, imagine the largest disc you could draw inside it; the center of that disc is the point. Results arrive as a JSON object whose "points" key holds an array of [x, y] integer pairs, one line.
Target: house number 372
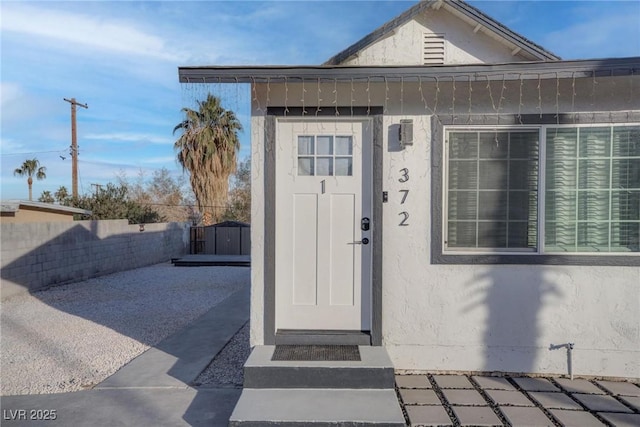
{"points": [[404, 177]]}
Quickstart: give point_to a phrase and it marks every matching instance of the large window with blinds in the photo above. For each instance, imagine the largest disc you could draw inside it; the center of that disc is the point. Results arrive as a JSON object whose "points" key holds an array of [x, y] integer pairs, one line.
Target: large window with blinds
{"points": [[548, 189]]}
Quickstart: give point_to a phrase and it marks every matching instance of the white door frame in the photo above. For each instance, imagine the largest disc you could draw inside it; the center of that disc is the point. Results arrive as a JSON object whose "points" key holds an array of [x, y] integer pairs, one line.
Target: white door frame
{"points": [[374, 114]]}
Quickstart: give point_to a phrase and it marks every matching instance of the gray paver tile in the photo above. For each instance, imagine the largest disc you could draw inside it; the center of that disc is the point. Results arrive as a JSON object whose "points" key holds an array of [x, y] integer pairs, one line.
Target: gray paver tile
{"points": [[526, 417], [453, 381], [493, 383], [622, 420], [579, 386], [419, 397], [412, 381], [428, 416], [476, 416], [508, 397], [464, 397], [622, 388], [575, 418], [632, 400], [601, 403], [535, 384], [552, 400]]}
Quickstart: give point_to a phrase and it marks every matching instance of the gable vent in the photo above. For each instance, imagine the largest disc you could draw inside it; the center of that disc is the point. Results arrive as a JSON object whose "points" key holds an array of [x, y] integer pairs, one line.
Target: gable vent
{"points": [[433, 49]]}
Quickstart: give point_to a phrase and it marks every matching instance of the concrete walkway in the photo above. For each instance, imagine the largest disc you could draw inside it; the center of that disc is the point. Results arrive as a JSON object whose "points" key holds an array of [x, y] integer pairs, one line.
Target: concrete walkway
{"points": [[152, 390]]}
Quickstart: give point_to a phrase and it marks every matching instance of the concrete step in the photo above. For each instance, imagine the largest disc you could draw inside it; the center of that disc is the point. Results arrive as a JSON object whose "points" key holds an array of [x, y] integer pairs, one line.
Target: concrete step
{"points": [[317, 407], [374, 371]]}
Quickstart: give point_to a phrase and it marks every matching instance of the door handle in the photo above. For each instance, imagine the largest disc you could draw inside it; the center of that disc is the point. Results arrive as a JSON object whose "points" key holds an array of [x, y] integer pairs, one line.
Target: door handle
{"points": [[364, 241]]}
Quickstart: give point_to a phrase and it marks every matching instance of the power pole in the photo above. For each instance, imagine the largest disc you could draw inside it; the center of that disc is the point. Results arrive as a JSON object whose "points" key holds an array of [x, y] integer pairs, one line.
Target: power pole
{"points": [[74, 147]]}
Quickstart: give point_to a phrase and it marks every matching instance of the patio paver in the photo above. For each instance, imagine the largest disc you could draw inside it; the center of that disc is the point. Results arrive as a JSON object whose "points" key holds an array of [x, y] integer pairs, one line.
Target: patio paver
{"points": [[552, 400], [621, 388], [493, 383], [508, 397], [600, 403], [412, 381], [476, 416], [622, 420], [535, 384], [428, 416], [526, 417], [419, 397], [579, 386], [464, 397], [575, 418], [632, 400], [453, 381]]}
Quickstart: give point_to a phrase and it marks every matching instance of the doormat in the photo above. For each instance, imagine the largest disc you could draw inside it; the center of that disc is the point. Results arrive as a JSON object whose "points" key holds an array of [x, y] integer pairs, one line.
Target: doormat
{"points": [[316, 353]]}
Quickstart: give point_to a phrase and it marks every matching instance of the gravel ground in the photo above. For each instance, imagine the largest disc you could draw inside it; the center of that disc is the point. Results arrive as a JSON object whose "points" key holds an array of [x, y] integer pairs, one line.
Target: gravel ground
{"points": [[72, 337], [226, 369]]}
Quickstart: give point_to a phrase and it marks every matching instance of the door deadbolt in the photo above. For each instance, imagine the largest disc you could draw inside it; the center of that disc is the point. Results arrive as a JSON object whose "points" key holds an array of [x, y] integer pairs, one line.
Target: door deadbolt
{"points": [[365, 224]]}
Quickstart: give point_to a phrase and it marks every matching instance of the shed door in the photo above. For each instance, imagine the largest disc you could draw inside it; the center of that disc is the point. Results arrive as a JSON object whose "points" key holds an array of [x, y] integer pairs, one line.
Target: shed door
{"points": [[323, 192]]}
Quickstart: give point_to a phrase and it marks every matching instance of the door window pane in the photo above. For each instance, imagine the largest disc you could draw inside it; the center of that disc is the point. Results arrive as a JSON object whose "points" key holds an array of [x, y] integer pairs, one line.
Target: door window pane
{"points": [[344, 145], [305, 145], [344, 166], [325, 145], [324, 166], [305, 166], [318, 156]]}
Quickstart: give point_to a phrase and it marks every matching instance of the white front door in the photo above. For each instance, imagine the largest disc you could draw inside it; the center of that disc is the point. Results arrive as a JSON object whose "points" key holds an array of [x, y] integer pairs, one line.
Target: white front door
{"points": [[323, 255]]}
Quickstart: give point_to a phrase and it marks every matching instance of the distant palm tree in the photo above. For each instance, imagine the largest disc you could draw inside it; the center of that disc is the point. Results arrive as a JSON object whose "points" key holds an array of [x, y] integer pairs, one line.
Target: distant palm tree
{"points": [[62, 195], [29, 168], [207, 148], [46, 197]]}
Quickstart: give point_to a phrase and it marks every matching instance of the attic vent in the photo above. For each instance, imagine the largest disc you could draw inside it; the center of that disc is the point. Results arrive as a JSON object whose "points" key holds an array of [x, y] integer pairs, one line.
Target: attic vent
{"points": [[433, 52]]}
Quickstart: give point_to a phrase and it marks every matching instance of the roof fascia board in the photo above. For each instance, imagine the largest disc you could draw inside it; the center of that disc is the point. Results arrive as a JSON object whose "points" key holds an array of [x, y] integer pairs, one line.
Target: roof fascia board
{"points": [[472, 72]]}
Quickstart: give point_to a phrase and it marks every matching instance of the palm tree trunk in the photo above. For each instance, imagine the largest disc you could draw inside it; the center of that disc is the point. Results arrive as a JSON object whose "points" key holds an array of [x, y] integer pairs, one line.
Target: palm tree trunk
{"points": [[30, 182]]}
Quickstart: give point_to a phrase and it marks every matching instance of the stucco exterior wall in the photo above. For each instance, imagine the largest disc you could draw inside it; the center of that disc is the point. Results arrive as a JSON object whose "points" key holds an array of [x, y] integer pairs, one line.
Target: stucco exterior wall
{"points": [[462, 46], [509, 318]]}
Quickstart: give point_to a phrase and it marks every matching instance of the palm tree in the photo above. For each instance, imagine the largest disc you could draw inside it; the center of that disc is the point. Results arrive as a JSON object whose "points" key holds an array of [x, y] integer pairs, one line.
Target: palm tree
{"points": [[207, 148], [29, 168], [62, 195], [46, 197]]}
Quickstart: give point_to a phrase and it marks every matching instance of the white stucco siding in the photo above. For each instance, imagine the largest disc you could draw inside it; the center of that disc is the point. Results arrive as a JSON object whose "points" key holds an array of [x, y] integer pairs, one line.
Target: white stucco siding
{"points": [[256, 318], [472, 317], [404, 46], [508, 318]]}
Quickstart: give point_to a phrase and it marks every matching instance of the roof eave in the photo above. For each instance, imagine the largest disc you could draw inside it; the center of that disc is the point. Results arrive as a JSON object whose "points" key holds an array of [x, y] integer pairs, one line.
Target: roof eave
{"points": [[508, 71]]}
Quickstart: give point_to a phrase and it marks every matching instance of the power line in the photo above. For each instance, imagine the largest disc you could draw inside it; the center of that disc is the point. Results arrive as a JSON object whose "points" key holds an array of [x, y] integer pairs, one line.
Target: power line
{"points": [[33, 152]]}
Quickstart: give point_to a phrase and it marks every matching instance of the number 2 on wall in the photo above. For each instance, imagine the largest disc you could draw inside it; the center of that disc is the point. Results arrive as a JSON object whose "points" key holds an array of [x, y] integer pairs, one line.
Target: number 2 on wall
{"points": [[404, 223]]}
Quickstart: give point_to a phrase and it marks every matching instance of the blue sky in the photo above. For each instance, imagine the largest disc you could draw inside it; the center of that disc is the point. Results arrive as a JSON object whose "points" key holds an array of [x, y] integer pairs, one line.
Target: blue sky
{"points": [[121, 58]]}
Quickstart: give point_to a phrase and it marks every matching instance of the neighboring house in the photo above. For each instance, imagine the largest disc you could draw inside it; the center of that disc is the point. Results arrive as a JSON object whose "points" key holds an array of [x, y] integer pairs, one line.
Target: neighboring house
{"points": [[28, 211], [451, 191]]}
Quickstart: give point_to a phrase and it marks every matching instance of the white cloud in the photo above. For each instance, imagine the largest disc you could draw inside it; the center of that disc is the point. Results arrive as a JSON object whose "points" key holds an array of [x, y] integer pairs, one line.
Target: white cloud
{"points": [[129, 137], [86, 30]]}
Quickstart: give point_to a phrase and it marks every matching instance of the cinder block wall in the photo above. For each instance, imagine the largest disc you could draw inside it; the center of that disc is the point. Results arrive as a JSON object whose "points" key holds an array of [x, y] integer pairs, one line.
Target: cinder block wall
{"points": [[38, 255]]}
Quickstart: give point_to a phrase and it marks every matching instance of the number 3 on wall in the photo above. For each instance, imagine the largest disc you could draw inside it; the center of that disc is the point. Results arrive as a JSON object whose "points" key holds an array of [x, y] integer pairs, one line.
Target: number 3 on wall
{"points": [[405, 175]]}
